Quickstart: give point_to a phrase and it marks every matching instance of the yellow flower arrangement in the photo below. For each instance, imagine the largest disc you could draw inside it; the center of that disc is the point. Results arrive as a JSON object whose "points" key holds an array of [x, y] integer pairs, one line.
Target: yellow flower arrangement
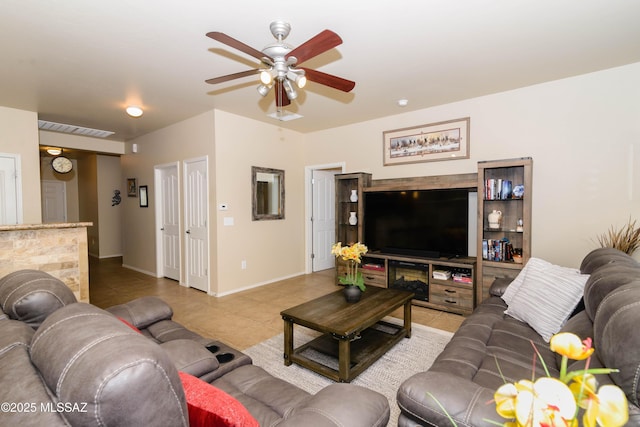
{"points": [[551, 402], [353, 255]]}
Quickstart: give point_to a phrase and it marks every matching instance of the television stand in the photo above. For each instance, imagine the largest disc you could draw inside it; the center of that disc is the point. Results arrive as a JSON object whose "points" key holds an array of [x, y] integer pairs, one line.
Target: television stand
{"points": [[411, 252], [439, 283]]}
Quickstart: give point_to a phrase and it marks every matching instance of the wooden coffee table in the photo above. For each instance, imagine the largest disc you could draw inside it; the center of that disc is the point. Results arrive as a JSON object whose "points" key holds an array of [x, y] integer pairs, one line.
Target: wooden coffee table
{"points": [[354, 333]]}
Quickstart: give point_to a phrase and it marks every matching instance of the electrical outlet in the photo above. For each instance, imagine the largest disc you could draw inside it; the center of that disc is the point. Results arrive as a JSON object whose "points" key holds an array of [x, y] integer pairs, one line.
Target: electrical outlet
{"points": [[243, 264]]}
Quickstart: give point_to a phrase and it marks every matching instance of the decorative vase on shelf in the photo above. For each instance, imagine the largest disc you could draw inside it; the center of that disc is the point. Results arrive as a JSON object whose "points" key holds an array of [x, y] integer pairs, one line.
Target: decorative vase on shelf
{"points": [[495, 218], [353, 220], [354, 196], [352, 293]]}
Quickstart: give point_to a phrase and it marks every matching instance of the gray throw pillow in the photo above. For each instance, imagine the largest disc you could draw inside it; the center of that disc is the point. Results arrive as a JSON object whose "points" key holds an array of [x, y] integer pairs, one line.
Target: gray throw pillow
{"points": [[546, 297]]}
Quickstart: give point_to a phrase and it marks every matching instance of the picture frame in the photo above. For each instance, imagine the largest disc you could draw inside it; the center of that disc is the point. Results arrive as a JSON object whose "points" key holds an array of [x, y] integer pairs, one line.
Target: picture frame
{"points": [[132, 187], [144, 196], [448, 140]]}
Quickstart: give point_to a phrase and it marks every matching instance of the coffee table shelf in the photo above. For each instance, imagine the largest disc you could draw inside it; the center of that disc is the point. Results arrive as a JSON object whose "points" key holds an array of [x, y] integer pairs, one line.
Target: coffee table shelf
{"points": [[354, 334]]}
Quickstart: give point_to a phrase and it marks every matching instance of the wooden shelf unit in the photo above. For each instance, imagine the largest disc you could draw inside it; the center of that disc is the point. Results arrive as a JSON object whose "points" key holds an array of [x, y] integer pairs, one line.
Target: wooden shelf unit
{"points": [[346, 233], [518, 172], [345, 184]]}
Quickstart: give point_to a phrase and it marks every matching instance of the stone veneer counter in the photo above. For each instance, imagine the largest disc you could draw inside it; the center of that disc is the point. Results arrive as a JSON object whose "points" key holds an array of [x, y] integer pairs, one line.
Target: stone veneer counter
{"points": [[59, 249]]}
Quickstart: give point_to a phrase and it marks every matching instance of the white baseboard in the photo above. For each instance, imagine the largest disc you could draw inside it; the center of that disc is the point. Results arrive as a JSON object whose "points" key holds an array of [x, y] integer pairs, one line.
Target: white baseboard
{"points": [[257, 285], [139, 270]]}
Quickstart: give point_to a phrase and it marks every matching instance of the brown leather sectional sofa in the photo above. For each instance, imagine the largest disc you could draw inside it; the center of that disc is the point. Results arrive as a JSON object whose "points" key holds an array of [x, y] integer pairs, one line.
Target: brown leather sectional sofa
{"points": [[465, 375], [67, 363]]}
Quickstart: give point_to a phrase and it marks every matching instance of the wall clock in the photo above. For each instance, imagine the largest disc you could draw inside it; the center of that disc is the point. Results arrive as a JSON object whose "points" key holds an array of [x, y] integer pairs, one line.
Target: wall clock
{"points": [[61, 164]]}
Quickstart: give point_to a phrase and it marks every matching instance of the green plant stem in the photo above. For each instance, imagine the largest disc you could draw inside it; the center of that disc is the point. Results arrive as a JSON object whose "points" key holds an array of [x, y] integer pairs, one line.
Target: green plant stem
{"points": [[594, 371], [563, 369]]}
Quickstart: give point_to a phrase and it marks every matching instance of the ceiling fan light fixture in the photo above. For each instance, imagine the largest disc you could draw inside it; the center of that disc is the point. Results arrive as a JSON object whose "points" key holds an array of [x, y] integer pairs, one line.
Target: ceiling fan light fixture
{"points": [[54, 151], [297, 77], [265, 77], [264, 89], [289, 89], [134, 111]]}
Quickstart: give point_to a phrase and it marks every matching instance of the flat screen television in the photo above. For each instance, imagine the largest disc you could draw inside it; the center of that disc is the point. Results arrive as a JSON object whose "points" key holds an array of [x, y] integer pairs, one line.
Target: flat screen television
{"points": [[423, 223]]}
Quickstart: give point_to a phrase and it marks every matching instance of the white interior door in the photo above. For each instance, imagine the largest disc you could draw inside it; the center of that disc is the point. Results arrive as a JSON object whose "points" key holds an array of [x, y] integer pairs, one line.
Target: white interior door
{"points": [[54, 201], [323, 218], [196, 227], [168, 184], [10, 190]]}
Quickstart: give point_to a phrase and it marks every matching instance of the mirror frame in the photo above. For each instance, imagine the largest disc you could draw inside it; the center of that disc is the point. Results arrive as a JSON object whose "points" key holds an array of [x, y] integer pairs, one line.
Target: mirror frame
{"points": [[254, 194]]}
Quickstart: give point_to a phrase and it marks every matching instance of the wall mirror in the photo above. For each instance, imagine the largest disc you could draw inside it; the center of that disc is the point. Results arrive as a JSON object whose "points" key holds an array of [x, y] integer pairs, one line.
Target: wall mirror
{"points": [[267, 189]]}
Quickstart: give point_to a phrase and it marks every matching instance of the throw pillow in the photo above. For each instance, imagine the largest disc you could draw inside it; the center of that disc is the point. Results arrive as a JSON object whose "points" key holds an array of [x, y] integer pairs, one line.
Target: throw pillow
{"points": [[546, 297], [209, 406], [514, 286]]}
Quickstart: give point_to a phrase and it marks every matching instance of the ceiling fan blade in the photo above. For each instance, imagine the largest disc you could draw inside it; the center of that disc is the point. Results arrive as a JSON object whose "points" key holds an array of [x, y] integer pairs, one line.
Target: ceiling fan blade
{"points": [[315, 46], [233, 76], [236, 44], [282, 100], [329, 80]]}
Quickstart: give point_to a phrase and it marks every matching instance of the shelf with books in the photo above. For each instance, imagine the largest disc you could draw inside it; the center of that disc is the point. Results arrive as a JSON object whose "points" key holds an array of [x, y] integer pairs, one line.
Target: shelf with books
{"points": [[504, 219]]}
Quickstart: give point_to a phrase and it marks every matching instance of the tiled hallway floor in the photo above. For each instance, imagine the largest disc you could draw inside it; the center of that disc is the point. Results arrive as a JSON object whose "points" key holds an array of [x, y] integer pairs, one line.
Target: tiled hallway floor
{"points": [[242, 319]]}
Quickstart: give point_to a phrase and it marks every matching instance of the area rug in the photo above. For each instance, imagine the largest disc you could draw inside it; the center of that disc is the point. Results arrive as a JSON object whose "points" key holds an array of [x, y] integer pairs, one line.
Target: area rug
{"points": [[406, 358]]}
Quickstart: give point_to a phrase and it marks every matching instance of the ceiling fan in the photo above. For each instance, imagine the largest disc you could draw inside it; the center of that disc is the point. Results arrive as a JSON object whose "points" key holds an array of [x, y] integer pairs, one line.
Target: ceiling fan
{"points": [[281, 61]]}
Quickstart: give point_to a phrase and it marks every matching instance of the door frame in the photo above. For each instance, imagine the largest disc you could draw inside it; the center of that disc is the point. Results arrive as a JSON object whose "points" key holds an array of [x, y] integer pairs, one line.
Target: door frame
{"points": [[308, 208], [157, 179]]}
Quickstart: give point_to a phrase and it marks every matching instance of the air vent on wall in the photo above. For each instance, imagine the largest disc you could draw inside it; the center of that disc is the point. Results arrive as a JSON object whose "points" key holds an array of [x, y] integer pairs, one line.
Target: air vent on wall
{"points": [[76, 130]]}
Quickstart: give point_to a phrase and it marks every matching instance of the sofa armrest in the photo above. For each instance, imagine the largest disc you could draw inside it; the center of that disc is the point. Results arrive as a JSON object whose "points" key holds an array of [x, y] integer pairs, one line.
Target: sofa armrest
{"points": [[341, 405], [465, 401], [142, 312], [499, 285], [191, 357]]}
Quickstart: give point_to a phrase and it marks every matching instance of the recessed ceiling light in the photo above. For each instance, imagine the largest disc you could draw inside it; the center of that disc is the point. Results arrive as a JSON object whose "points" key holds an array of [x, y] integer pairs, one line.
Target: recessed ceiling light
{"points": [[403, 102], [134, 111], [54, 151]]}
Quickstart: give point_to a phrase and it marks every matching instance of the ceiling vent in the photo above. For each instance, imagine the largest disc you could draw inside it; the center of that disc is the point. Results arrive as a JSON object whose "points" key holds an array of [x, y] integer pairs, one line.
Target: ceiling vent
{"points": [[76, 130]]}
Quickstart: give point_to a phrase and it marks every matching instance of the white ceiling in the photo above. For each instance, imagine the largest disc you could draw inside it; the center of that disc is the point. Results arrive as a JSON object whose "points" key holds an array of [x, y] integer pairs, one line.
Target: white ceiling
{"points": [[81, 62]]}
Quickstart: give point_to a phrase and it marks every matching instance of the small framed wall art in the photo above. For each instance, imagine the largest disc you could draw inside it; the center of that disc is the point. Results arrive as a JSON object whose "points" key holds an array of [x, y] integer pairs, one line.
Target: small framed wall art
{"points": [[447, 140], [144, 197], [132, 187]]}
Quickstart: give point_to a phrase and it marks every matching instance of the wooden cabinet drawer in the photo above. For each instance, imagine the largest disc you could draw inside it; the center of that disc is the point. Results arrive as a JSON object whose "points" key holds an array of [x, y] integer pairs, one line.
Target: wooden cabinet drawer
{"points": [[451, 296], [374, 277]]}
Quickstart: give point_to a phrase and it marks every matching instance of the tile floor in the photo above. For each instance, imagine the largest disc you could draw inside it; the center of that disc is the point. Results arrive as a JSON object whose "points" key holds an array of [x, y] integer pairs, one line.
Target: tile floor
{"points": [[242, 319]]}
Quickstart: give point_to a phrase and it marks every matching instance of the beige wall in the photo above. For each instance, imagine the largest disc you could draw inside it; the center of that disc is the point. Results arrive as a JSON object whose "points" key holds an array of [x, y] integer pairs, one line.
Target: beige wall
{"points": [[19, 135], [272, 249], [583, 134], [109, 179], [88, 200], [79, 142]]}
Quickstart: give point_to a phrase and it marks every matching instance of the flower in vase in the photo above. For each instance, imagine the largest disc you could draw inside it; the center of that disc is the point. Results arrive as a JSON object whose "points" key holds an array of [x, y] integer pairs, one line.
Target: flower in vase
{"points": [[353, 256]]}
